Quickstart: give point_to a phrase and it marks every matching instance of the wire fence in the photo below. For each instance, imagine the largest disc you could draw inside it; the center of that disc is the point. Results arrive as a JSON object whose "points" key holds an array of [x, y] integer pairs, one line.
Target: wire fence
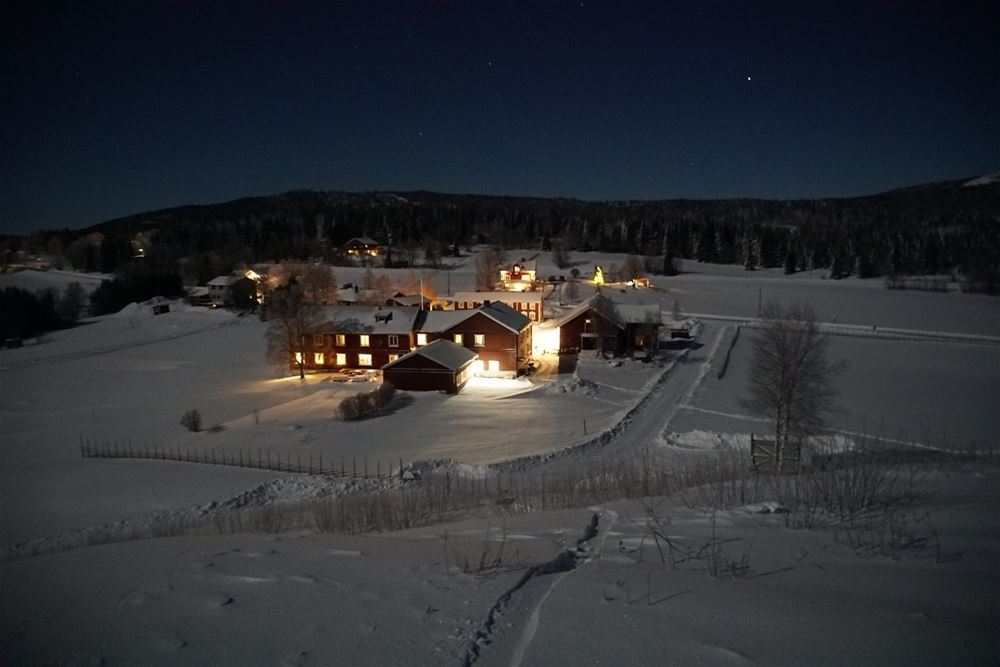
{"points": [[256, 458]]}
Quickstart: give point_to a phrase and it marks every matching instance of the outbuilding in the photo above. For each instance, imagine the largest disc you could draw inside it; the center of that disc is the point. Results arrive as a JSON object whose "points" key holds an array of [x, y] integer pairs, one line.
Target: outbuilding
{"points": [[439, 366]]}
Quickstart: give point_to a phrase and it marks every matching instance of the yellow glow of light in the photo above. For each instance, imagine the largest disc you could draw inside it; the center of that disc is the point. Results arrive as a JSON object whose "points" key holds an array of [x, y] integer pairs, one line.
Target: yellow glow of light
{"points": [[298, 357], [494, 366], [544, 340], [477, 366], [598, 276]]}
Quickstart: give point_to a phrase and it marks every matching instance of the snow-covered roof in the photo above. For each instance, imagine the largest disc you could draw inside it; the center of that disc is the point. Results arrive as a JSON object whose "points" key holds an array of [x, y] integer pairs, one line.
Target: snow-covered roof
{"points": [[504, 315], [436, 321], [364, 240], [638, 314], [442, 351], [362, 319], [222, 281], [500, 295], [526, 265]]}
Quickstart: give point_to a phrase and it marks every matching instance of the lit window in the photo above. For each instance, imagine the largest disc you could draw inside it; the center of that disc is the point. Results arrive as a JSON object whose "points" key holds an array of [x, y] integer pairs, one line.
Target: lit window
{"points": [[494, 366], [318, 358], [318, 340], [457, 338], [341, 340], [421, 339], [363, 340], [480, 340], [393, 341], [364, 360], [298, 357], [393, 357], [341, 359]]}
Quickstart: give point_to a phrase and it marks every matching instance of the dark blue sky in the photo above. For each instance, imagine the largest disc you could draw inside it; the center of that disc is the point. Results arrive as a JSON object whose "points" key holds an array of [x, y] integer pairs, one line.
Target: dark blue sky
{"points": [[114, 109]]}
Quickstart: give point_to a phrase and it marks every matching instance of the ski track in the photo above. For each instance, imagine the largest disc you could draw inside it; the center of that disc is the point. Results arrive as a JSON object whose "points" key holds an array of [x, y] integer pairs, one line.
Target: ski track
{"points": [[531, 628]]}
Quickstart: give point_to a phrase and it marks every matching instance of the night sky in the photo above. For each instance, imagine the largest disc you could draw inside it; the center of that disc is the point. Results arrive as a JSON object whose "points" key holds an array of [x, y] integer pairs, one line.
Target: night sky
{"points": [[114, 109]]}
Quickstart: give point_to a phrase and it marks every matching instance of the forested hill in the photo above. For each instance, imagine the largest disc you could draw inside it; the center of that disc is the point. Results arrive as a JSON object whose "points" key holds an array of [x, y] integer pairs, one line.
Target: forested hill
{"points": [[942, 227]]}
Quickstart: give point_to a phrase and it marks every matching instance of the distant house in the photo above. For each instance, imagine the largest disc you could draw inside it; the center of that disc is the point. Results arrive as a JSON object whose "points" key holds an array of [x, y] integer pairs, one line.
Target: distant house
{"points": [[225, 290], [529, 304], [363, 246], [498, 334], [438, 366], [358, 337], [519, 276], [624, 329]]}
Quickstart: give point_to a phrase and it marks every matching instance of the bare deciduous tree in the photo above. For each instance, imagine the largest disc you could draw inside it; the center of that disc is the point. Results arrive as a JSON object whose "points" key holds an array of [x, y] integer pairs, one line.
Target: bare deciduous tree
{"points": [[292, 318], [488, 265], [792, 376], [318, 283]]}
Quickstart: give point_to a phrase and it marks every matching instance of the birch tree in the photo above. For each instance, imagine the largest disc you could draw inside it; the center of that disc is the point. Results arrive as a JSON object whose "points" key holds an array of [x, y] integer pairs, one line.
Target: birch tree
{"points": [[791, 376]]}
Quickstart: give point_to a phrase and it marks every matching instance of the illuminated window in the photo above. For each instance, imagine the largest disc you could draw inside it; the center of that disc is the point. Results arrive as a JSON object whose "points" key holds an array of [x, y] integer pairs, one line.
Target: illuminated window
{"points": [[341, 340], [298, 357], [341, 359], [318, 358], [479, 340], [393, 357], [421, 339], [364, 360], [363, 340], [318, 340], [494, 366], [457, 338], [393, 341]]}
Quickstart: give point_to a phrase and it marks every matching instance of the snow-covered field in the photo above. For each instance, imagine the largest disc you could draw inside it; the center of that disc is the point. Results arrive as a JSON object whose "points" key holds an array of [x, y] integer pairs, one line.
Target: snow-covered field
{"points": [[736, 587], [34, 280], [391, 598], [943, 395]]}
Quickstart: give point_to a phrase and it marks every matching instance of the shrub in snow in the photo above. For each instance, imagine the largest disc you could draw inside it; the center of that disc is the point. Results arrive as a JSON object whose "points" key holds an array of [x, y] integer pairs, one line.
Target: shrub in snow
{"points": [[362, 406], [191, 420]]}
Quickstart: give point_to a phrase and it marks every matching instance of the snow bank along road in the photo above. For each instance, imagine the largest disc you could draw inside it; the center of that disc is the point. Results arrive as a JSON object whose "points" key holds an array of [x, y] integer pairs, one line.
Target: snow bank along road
{"points": [[642, 425]]}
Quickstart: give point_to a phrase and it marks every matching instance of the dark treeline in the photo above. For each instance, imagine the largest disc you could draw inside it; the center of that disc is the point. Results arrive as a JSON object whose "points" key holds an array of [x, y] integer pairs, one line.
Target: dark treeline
{"points": [[134, 285], [925, 230], [24, 314]]}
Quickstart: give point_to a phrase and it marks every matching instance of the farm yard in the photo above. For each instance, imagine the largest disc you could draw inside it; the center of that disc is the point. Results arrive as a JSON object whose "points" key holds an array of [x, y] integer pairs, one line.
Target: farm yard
{"points": [[128, 378]]}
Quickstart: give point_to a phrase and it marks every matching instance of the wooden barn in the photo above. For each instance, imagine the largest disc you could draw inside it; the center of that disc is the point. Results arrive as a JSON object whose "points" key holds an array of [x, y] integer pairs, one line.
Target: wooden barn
{"points": [[499, 335], [438, 366], [616, 329]]}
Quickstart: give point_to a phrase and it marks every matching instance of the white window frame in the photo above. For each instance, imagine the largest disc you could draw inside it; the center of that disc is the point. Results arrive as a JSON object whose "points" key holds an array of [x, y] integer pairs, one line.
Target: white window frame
{"points": [[364, 359], [393, 341], [317, 340], [479, 340], [364, 341]]}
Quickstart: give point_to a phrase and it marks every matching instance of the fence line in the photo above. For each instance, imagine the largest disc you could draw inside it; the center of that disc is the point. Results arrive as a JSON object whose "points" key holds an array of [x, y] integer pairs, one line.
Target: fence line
{"points": [[255, 458]]}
